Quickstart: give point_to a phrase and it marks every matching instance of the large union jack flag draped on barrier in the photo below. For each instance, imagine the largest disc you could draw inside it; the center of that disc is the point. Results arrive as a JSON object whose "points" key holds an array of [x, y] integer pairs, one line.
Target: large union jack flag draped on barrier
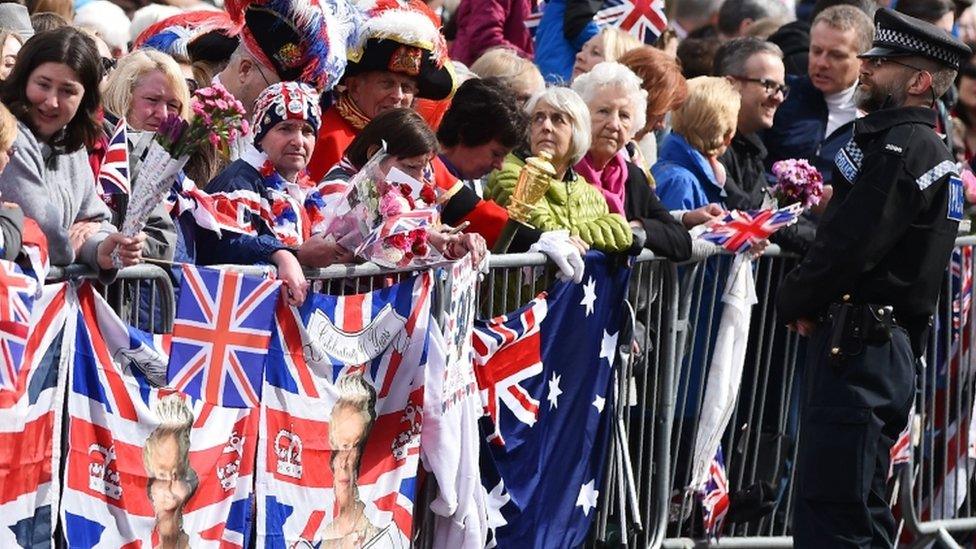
{"points": [[147, 467], [551, 424], [113, 176], [739, 230], [221, 334], [341, 418], [27, 429]]}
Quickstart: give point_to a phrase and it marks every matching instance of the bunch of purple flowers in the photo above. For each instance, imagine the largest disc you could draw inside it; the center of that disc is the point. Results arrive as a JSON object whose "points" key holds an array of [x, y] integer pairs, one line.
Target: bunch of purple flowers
{"points": [[797, 181], [217, 117]]}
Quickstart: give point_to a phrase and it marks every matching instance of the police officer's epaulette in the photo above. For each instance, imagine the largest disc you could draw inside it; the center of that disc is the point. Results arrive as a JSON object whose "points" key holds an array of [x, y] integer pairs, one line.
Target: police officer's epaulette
{"points": [[898, 138]]}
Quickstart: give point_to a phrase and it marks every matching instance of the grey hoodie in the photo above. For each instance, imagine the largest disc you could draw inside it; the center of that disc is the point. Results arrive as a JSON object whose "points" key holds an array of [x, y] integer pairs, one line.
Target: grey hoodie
{"points": [[56, 192]]}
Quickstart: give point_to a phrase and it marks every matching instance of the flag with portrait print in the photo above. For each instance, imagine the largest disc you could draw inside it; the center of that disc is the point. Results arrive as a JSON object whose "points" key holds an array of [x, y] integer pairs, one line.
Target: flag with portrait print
{"points": [[147, 466], [545, 373], [29, 414], [340, 418]]}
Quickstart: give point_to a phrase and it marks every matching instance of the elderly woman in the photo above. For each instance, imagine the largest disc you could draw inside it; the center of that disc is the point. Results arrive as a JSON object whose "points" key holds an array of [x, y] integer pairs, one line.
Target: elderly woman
{"points": [[560, 126], [53, 92], [144, 89], [607, 45], [688, 172], [518, 74], [616, 103], [286, 121]]}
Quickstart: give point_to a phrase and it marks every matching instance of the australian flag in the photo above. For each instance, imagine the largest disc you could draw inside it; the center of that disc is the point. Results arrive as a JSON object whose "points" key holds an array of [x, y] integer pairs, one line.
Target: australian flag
{"points": [[545, 374]]}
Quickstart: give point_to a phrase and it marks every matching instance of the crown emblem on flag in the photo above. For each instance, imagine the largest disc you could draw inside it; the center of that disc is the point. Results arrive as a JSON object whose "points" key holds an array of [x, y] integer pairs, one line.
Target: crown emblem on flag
{"points": [[102, 477], [229, 463], [288, 449]]}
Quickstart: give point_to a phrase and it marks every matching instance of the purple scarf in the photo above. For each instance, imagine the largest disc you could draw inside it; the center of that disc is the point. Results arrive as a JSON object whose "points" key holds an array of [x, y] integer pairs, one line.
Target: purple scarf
{"points": [[611, 180]]}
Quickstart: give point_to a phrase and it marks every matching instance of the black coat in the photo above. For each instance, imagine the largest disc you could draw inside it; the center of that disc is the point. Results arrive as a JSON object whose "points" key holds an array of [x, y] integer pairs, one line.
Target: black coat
{"points": [[886, 236], [665, 236]]}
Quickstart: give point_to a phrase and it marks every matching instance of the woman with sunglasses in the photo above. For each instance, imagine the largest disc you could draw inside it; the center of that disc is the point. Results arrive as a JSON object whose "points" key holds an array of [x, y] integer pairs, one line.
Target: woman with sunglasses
{"points": [[53, 92]]}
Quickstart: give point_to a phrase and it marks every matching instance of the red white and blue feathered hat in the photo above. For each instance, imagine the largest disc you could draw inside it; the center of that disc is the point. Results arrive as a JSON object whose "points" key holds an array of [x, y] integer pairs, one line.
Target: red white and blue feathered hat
{"points": [[303, 40], [403, 36]]}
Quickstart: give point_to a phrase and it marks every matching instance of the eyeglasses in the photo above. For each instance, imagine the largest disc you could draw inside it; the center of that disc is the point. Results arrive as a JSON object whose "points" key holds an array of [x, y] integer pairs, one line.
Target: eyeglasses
{"points": [[876, 62], [192, 84], [108, 64], [771, 86]]}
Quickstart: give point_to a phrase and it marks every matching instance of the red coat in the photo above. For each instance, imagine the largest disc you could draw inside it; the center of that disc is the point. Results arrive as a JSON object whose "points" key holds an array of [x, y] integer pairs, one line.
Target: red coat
{"points": [[484, 24], [335, 134]]}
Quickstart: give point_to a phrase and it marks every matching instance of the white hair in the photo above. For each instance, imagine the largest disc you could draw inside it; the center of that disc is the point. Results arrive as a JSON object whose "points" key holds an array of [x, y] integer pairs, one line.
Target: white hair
{"points": [[609, 74], [148, 16], [570, 103], [108, 21]]}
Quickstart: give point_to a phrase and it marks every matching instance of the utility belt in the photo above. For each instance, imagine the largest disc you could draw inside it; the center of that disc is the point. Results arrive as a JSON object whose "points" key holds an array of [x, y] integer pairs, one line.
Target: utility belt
{"points": [[854, 325]]}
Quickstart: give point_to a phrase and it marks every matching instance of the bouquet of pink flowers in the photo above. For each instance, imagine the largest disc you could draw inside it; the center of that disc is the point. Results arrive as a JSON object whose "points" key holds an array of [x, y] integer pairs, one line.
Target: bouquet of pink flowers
{"points": [[386, 218], [797, 182], [218, 118]]}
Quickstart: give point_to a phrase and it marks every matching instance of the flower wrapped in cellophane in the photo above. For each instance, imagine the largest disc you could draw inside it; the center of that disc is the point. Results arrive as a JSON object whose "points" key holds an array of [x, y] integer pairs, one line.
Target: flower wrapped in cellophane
{"points": [[218, 119], [385, 216], [797, 182]]}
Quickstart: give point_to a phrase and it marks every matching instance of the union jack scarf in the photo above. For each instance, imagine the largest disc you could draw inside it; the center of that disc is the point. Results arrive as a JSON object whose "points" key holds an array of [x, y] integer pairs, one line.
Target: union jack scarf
{"points": [[290, 210]]}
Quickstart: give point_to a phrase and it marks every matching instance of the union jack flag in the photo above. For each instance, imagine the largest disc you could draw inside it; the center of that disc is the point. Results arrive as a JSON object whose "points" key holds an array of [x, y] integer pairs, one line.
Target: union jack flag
{"points": [[740, 230], [113, 176], [715, 496], [508, 352], [533, 19], [17, 292], [644, 19], [220, 336], [901, 452], [215, 212]]}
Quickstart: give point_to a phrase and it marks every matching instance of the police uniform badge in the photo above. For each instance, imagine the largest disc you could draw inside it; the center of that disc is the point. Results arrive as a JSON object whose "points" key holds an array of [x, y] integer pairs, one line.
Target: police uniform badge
{"points": [[954, 211]]}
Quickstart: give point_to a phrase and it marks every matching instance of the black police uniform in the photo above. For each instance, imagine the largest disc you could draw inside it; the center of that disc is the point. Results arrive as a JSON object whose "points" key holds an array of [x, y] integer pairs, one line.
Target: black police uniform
{"points": [[871, 279]]}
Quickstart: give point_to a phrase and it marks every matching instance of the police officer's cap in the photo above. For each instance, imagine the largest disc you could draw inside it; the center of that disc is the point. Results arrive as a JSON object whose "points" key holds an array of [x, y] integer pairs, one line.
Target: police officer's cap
{"points": [[898, 35]]}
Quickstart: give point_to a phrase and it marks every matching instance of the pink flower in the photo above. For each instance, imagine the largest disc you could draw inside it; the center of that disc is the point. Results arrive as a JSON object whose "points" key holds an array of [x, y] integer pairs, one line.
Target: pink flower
{"points": [[797, 181], [214, 139], [400, 242], [221, 104], [391, 205], [245, 127]]}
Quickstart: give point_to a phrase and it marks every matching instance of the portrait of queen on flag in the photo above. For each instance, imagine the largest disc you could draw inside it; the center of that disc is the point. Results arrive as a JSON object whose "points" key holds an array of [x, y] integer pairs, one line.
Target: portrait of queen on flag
{"points": [[341, 415]]}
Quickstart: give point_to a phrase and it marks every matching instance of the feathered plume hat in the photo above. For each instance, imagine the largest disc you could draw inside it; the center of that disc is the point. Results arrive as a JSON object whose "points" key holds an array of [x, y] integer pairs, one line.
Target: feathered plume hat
{"points": [[304, 40], [179, 34], [403, 36]]}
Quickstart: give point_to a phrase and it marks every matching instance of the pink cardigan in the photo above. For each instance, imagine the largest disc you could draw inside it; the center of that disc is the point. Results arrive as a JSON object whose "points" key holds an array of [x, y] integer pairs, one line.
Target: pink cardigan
{"points": [[484, 24]]}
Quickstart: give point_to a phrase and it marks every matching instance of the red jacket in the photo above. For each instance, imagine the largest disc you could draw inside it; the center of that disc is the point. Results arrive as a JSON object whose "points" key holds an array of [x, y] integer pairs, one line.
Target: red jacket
{"points": [[484, 24]]}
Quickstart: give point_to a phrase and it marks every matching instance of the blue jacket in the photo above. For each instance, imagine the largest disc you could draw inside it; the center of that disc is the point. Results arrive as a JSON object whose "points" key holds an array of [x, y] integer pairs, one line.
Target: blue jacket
{"points": [[233, 248], [555, 54], [800, 127], [685, 179]]}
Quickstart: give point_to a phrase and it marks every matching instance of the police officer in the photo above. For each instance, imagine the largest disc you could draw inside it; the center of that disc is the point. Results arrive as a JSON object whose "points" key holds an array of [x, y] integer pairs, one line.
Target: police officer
{"points": [[866, 290]]}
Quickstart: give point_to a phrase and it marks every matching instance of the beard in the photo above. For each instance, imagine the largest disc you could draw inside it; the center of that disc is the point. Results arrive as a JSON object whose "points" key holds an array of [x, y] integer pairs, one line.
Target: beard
{"points": [[877, 97]]}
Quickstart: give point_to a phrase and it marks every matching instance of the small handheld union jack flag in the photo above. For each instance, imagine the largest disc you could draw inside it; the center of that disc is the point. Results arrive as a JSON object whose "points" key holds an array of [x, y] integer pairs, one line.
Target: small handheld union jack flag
{"points": [[113, 176], [715, 496], [644, 19], [740, 230], [220, 336]]}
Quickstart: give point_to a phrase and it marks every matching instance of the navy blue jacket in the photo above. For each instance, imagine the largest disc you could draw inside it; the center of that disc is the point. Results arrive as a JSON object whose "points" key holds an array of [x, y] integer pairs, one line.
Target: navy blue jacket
{"points": [[233, 248], [800, 126]]}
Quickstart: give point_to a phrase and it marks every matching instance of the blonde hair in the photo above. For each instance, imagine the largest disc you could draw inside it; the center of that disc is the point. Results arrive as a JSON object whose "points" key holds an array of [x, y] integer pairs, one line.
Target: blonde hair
{"points": [[8, 128], [505, 64], [117, 93], [708, 117], [617, 42]]}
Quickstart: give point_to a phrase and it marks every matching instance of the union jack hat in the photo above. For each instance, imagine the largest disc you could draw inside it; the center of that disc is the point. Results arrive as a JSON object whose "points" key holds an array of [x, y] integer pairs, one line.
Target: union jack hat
{"points": [[403, 36], [285, 101], [899, 35], [176, 34]]}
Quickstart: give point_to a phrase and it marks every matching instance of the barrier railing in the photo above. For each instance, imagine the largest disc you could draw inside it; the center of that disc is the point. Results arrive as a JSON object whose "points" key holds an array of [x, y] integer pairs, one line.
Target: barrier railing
{"points": [[660, 382]]}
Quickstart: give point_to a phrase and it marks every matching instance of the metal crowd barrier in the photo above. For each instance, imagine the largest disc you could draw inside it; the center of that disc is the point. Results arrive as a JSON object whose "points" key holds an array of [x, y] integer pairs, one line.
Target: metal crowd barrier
{"points": [[660, 382]]}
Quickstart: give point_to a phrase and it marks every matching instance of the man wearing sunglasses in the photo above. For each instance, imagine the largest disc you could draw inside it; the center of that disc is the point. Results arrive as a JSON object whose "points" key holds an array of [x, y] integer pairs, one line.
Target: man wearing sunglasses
{"points": [[865, 293]]}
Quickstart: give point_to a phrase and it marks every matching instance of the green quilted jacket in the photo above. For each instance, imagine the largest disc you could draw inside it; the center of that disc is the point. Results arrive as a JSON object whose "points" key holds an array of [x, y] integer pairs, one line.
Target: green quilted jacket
{"points": [[574, 204]]}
